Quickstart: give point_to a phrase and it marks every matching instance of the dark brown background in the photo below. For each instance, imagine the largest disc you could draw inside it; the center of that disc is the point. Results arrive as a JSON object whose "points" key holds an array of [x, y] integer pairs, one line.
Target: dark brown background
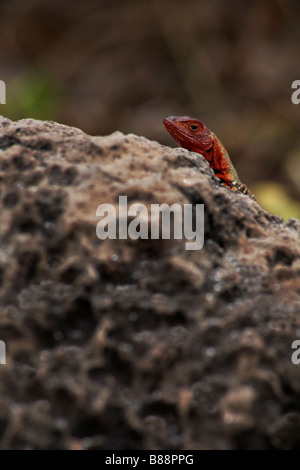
{"points": [[114, 65]]}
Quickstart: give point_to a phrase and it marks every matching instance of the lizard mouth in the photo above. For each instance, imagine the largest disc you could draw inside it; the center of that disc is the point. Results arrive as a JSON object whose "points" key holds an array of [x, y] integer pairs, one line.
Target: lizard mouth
{"points": [[176, 127], [176, 132]]}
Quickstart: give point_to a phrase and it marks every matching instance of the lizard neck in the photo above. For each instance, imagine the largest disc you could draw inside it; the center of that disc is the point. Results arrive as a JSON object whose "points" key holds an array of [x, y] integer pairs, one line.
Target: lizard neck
{"points": [[222, 165]]}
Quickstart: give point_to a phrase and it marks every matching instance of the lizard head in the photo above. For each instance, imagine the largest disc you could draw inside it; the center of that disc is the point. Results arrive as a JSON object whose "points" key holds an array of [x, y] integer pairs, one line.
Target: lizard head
{"points": [[191, 134]]}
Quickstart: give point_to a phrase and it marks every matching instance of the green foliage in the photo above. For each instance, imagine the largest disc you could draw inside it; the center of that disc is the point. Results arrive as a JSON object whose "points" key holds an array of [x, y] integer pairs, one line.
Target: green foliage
{"points": [[32, 95], [274, 198]]}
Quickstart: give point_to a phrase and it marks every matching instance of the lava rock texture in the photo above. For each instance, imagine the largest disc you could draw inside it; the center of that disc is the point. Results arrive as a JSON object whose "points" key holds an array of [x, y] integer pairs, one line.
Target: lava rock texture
{"points": [[140, 344]]}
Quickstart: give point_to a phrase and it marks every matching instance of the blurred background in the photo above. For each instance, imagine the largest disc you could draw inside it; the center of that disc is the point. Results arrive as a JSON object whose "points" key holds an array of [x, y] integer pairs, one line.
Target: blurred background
{"points": [[124, 65]]}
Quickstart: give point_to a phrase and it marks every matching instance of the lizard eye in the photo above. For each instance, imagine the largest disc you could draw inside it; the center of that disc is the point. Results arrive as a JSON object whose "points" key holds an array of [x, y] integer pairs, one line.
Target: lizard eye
{"points": [[193, 127]]}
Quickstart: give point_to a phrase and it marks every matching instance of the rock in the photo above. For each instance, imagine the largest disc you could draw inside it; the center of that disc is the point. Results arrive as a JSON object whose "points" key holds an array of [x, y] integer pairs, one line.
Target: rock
{"points": [[139, 344]]}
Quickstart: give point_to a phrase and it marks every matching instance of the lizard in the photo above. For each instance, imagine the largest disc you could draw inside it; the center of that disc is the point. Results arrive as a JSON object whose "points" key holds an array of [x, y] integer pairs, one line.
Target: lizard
{"points": [[193, 135]]}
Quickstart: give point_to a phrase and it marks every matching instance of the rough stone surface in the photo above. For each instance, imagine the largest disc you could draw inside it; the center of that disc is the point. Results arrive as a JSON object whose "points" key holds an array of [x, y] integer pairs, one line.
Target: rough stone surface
{"points": [[140, 344]]}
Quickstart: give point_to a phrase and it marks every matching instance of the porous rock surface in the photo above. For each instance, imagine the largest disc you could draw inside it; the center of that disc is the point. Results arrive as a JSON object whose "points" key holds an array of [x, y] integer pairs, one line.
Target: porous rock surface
{"points": [[140, 344]]}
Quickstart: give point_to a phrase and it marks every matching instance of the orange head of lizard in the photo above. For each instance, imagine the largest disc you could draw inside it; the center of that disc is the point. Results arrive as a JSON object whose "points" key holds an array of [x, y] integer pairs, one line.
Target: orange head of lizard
{"points": [[191, 134]]}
